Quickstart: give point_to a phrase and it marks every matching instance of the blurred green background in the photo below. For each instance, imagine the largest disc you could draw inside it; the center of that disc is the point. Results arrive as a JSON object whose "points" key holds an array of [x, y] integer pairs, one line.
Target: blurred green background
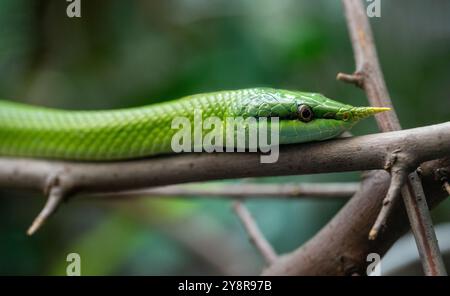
{"points": [[130, 53]]}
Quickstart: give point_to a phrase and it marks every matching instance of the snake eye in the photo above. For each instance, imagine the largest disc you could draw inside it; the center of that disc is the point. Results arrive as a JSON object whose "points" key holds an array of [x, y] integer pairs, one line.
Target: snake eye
{"points": [[305, 113]]}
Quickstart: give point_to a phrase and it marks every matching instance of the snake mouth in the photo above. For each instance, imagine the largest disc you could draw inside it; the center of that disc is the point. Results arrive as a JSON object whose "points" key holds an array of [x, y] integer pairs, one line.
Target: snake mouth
{"points": [[295, 131]]}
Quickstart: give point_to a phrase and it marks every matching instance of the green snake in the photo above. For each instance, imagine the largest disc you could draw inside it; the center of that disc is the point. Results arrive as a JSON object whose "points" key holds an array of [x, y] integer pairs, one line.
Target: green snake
{"points": [[107, 135]]}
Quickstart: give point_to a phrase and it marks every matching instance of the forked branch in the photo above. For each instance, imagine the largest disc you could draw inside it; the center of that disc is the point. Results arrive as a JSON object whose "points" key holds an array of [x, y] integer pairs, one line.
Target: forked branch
{"points": [[372, 81]]}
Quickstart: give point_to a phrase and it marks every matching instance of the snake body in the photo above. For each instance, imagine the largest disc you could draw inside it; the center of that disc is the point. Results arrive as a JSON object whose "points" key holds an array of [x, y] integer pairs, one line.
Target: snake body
{"points": [[107, 135]]}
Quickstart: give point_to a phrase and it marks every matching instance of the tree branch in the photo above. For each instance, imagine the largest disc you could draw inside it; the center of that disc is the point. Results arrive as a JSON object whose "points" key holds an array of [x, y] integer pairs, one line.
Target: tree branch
{"points": [[372, 81], [349, 154], [368, 70], [245, 190], [346, 253], [366, 152], [341, 247], [415, 200]]}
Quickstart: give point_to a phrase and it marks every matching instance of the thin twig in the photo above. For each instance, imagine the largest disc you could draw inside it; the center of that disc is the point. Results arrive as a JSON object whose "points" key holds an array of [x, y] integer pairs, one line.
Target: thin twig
{"points": [[247, 190], [210, 241], [254, 233], [356, 78], [373, 82]]}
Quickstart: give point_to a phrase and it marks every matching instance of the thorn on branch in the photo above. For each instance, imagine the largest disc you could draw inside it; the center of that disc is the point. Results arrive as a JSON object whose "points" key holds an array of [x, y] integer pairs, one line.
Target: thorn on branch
{"points": [[356, 78], [398, 178], [55, 198], [254, 233], [447, 187], [56, 193]]}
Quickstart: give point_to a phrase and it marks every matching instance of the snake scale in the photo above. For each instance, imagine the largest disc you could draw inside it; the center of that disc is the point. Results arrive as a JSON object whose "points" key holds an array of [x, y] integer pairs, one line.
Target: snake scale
{"points": [[108, 135]]}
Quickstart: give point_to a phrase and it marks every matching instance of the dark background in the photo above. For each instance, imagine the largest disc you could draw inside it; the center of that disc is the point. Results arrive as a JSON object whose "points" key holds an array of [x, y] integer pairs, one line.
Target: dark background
{"points": [[131, 53]]}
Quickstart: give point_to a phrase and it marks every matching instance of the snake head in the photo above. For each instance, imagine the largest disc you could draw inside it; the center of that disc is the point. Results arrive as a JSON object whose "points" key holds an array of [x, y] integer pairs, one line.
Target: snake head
{"points": [[306, 117], [324, 108], [305, 107]]}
